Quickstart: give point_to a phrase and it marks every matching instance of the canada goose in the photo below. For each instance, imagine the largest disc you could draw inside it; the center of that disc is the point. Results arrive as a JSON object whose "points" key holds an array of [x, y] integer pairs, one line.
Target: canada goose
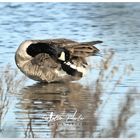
{"points": [[54, 59]]}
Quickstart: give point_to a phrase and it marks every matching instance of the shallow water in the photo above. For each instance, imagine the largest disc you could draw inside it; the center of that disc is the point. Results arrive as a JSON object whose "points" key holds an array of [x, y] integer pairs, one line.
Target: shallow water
{"points": [[101, 110]]}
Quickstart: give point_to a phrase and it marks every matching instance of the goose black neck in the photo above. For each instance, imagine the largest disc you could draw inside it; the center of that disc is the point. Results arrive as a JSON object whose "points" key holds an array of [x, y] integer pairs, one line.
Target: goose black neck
{"points": [[52, 50], [35, 49]]}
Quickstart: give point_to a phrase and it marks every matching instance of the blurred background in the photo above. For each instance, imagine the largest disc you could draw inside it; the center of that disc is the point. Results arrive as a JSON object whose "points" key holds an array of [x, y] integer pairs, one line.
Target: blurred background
{"points": [[107, 97]]}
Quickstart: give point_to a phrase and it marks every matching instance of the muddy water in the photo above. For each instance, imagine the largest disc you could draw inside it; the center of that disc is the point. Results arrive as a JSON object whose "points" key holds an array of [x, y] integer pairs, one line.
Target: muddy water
{"points": [[105, 103]]}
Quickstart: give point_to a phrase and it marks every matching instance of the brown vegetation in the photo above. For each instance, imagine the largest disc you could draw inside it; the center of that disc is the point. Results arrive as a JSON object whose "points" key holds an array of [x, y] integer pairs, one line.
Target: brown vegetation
{"points": [[10, 83]]}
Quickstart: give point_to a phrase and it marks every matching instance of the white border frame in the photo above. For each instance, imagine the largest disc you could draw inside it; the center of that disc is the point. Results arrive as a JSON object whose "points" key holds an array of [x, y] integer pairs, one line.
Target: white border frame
{"points": [[66, 1]]}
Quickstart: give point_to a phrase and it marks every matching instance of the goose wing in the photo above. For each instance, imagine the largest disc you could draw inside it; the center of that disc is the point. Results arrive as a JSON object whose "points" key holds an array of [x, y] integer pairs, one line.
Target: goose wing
{"points": [[80, 49], [83, 49], [72, 48]]}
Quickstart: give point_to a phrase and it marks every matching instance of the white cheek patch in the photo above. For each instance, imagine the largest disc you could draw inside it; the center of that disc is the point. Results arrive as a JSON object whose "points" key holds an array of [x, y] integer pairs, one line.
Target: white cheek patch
{"points": [[62, 56], [81, 69], [71, 65]]}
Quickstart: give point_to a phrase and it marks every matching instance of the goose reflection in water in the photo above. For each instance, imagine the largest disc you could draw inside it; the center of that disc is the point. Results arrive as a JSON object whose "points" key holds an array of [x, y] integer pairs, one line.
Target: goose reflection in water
{"points": [[56, 110]]}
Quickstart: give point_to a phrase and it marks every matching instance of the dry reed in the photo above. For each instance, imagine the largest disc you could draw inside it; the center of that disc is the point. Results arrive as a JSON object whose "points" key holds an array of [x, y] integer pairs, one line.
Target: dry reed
{"points": [[118, 126], [10, 83], [108, 73]]}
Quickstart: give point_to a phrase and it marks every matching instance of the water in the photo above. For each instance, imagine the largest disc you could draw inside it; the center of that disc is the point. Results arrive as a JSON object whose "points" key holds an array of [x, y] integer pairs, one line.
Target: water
{"points": [[117, 25]]}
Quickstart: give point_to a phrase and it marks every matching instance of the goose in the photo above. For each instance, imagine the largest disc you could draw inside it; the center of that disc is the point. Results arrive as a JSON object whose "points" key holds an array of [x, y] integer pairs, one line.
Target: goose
{"points": [[54, 60]]}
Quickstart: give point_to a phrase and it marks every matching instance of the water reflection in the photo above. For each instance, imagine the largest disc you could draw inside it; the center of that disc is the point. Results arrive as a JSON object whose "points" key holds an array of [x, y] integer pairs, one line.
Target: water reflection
{"points": [[70, 101]]}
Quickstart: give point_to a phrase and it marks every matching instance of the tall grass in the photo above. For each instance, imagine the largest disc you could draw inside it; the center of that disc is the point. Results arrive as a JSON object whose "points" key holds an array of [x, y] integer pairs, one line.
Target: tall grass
{"points": [[28, 132], [108, 73], [10, 83], [118, 125]]}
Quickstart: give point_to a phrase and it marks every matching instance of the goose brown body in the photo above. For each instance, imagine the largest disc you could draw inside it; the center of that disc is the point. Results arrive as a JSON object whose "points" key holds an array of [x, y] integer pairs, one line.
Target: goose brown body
{"points": [[54, 59]]}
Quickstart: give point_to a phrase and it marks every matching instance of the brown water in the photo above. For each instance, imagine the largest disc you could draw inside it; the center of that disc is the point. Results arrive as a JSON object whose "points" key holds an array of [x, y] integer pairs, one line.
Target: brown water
{"points": [[105, 103]]}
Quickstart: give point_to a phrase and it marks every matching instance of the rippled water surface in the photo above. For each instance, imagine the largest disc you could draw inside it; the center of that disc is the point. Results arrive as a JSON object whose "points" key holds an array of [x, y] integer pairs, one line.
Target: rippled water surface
{"points": [[105, 103]]}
